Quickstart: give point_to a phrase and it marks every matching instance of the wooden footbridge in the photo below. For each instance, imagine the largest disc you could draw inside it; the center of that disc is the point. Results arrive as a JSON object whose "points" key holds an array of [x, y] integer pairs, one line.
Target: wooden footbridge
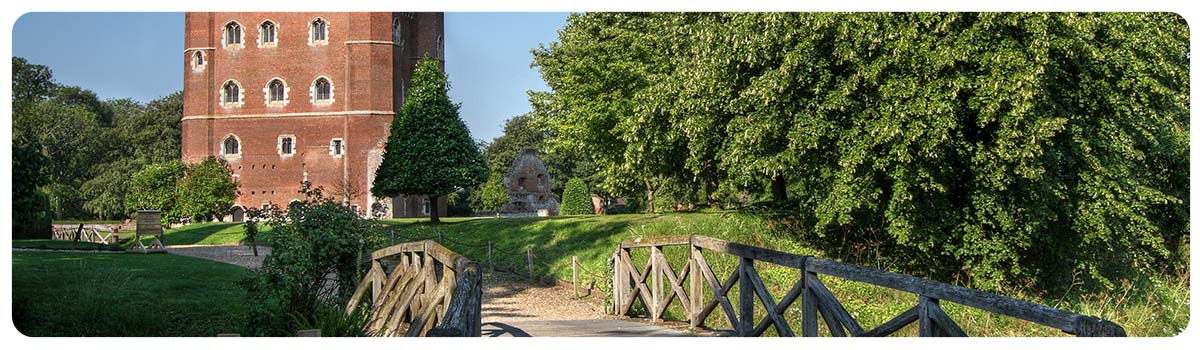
{"points": [[424, 289]]}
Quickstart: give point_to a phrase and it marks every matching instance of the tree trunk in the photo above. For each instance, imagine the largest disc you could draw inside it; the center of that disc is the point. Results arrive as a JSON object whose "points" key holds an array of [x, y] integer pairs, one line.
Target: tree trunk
{"points": [[649, 197], [710, 187], [779, 188], [433, 209]]}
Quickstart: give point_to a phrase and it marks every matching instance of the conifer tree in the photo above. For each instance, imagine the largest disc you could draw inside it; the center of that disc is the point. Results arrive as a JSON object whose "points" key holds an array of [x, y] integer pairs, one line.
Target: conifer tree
{"points": [[429, 151]]}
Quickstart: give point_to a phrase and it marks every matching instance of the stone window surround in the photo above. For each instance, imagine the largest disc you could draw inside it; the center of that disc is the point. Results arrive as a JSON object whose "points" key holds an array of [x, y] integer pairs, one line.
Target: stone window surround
{"points": [[337, 141], [199, 60], [397, 33], [279, 145], [241, 35], [267, 93], [274, 43], [231, 156], [312, 92], [312, 42], [241, 98]]}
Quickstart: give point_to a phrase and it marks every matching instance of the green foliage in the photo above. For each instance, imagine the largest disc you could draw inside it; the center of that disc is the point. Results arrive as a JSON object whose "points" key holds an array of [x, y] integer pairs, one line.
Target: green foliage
{"points": [[30, 206], [155, 188], [317, 238], [207, 190], [429, 150], [997, 149], [91, 146], [333, 321], [577, 200], [493, 195]]}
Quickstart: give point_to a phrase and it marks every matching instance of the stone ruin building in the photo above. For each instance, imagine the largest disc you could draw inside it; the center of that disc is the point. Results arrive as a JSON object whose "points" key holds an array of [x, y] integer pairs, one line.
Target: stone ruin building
{"points": [[528, 185]]}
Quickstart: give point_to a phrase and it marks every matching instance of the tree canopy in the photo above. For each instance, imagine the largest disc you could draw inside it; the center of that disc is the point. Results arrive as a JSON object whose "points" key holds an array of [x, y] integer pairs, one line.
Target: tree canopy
{"points": [[430, 150], [993, 148]]}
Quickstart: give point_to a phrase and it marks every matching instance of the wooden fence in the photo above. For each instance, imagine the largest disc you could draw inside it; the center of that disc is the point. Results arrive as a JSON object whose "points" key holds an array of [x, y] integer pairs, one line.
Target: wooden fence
{"points": [[83, 234], [427, 284], [630, 284]]}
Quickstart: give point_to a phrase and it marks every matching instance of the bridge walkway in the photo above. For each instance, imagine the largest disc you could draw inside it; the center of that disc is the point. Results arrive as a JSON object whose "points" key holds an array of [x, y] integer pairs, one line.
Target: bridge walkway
{"points": [[514, 308]]}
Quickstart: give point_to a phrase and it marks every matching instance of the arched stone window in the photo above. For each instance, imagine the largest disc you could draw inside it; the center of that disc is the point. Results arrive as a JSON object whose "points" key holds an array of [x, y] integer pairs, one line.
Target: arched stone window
{"points": [[233, 34], [276, 93], [321, 91], [231, 146], [441, 48], [231, 94], [318, 32], [198, 60], [266, 34], [397, 32]]}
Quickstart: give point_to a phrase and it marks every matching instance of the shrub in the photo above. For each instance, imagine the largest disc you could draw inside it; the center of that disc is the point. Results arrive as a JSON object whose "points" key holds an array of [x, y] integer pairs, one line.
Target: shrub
{"points": [[207, 190], [577, 200], [318, 238], [155, 188]]}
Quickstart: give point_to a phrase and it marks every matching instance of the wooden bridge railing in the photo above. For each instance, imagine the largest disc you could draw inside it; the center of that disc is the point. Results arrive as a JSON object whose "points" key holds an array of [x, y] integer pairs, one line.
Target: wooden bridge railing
{"points": [[427, 285], [688, 285], [82, 233]]}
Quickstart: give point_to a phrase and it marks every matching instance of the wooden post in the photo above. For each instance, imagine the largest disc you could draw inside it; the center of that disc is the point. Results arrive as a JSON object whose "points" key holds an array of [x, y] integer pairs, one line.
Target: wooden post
{"points": [[393, 237], [927, 328], [440, 239], [655, 284], [575, 275], [745, 298], [491, 264], [696, 287], [808, 302], [529, 260], [618, 289]]}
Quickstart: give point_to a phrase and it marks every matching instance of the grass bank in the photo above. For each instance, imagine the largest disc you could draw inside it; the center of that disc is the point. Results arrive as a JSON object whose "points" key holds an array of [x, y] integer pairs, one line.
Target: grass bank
{"points": [[1147, 306], [124, 295]]}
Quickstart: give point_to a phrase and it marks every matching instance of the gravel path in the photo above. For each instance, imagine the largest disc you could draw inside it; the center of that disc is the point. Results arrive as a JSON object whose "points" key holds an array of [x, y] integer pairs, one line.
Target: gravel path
{"points": [[231, 254]]}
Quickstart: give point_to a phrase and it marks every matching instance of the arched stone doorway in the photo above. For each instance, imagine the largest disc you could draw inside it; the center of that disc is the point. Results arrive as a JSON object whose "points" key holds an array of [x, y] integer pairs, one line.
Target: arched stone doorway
{"points": [[238, 214]]}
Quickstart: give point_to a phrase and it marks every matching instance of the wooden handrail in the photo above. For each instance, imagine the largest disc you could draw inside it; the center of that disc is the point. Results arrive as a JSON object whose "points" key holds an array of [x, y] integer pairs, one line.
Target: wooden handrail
{"points": [[646, 284], [428, 284]]}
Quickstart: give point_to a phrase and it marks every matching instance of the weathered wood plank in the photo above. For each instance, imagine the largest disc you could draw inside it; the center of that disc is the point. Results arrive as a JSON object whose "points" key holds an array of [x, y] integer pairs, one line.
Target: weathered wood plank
{"points": [[639, 283], [780, 308], [697, 289], [397, 249], [894, 324], [745, 298], [1040, 314], [768, 302], [809, 306], [927, 328], [655, 241], [719, 291], [463, 314], [426, 316], [947, 325], [835, 307], [676, 286], [752, 252]]}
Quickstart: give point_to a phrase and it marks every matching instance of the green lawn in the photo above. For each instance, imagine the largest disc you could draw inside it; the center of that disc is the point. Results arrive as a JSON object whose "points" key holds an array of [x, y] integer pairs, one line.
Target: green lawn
{"points": [[125, 295], [62, 245], [218, 233]]}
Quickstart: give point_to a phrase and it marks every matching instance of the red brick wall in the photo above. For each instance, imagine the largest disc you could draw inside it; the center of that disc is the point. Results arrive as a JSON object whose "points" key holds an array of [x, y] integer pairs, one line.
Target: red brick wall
{"points": [[367, 73]]}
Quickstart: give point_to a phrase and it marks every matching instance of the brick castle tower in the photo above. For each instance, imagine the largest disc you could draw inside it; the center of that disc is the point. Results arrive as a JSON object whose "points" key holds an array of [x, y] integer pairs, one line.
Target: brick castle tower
{"points": [[286, 97]]}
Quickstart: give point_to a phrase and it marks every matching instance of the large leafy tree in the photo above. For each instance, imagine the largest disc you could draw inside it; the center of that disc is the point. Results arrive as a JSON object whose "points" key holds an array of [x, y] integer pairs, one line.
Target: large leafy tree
{"points": [[600, 71], [989, 148], [430, 150], [155, 187], [207, 190]]}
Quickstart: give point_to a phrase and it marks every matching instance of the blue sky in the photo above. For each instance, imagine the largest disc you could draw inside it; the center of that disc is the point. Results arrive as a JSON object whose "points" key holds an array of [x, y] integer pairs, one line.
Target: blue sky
{"points": [[137, 55]]}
